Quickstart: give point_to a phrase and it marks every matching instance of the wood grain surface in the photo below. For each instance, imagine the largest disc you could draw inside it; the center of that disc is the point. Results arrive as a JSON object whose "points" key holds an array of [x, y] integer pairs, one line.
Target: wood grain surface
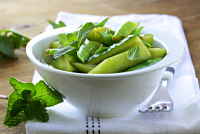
{"points": [[30, 17]]}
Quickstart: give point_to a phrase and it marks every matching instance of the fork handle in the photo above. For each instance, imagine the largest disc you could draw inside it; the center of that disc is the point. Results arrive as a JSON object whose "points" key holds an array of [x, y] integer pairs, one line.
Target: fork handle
{"points": [[161, 95], [169, 73], [4, 97]]}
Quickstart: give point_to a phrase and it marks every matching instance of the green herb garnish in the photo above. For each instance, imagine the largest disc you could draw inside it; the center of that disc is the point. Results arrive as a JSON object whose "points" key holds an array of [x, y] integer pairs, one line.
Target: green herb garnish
{"points": [[138, 31], [10, 41], [58, 24], [29, 102], [77, 38]]}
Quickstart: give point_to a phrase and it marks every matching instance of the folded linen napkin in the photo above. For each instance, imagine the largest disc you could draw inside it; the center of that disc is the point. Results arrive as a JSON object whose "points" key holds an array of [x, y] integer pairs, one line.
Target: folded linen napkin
{"points": [[184, 89]]}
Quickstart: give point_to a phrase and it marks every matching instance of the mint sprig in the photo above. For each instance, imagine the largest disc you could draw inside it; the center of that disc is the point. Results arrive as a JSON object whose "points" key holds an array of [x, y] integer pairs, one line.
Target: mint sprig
{"points": [[29, 102], [58, 24], [76, 39], [10, 41]]}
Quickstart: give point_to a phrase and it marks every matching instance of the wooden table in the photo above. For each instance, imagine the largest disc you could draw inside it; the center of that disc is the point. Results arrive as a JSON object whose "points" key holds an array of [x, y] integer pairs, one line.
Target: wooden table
{"points": [[30, 17]]}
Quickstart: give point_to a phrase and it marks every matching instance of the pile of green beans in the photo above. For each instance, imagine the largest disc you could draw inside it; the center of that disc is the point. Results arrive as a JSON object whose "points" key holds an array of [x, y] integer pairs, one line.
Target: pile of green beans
{"points": [[96, 49]]}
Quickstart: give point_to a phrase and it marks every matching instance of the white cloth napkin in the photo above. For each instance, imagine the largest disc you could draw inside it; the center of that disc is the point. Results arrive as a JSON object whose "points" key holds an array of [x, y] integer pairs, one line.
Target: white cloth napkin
{"points": [[184, 90]]}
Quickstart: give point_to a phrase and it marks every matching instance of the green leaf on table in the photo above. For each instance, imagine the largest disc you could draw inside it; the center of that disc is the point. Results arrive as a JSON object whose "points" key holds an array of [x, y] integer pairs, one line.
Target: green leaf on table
{"points": [[46, 94], [58, 24], [29, 101], [37, 110], [133, 53], [19, 87], [10, 41]]}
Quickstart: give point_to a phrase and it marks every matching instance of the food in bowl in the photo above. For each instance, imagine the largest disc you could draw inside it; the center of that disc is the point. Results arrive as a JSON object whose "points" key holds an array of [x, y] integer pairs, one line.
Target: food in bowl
{"points": [[96, 49], [101, 95]]}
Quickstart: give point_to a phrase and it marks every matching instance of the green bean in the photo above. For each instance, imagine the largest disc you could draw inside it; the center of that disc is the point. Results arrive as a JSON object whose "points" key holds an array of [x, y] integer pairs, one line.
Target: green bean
{"points": [[122, 46], [55, 44], [84, 68], [96, 49], [148, 38], [121, 61], [157, 52], [102, 35], [63, 63], [125, 30], [145, 64]]}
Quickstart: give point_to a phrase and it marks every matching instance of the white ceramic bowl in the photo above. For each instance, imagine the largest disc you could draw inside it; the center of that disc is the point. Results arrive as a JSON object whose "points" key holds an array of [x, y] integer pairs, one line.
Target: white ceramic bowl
{"points": [[100, 94]]}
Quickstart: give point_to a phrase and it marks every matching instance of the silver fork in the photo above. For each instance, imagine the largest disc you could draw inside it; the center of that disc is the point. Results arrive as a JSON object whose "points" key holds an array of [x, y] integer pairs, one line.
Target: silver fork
{"points": [[160, 101]]}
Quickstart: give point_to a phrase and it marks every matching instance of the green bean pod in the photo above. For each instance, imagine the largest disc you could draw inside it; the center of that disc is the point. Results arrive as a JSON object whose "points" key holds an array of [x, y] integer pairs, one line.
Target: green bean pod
{"points": [[63, 63], [122, 46], [157, 52], [125, 30], [148, 38], [121, 61], [145, 64], [102, 35], [84, 68]]}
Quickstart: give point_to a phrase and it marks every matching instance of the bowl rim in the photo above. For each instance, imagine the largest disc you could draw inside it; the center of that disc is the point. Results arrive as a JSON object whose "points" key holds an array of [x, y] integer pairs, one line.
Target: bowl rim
{"points": [[171, 57]]}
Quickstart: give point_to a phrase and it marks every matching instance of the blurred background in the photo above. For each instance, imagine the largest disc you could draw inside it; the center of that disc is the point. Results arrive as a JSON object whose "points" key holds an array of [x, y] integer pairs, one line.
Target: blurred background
{"points": [[36, 12], [30, 17]]}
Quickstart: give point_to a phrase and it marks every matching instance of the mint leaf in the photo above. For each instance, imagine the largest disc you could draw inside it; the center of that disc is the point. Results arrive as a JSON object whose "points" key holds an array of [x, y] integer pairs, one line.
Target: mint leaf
{"points": [[101, 49], [62, 51], [6, 47], [87, 50], [19, 86], [9, 41], [28, 102], [14, 115], [68, 39], [37, 110], [107, 38], [18, 106], [15, 110], [138, 31], [77, 38], [133, 53], [102, 23], [46, 94], [58, 24], [87, 27], [82, 33]]}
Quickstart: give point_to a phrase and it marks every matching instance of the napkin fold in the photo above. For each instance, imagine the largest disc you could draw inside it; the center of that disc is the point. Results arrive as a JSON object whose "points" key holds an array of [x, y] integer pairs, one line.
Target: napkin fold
{"points": [[184, 90]]}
